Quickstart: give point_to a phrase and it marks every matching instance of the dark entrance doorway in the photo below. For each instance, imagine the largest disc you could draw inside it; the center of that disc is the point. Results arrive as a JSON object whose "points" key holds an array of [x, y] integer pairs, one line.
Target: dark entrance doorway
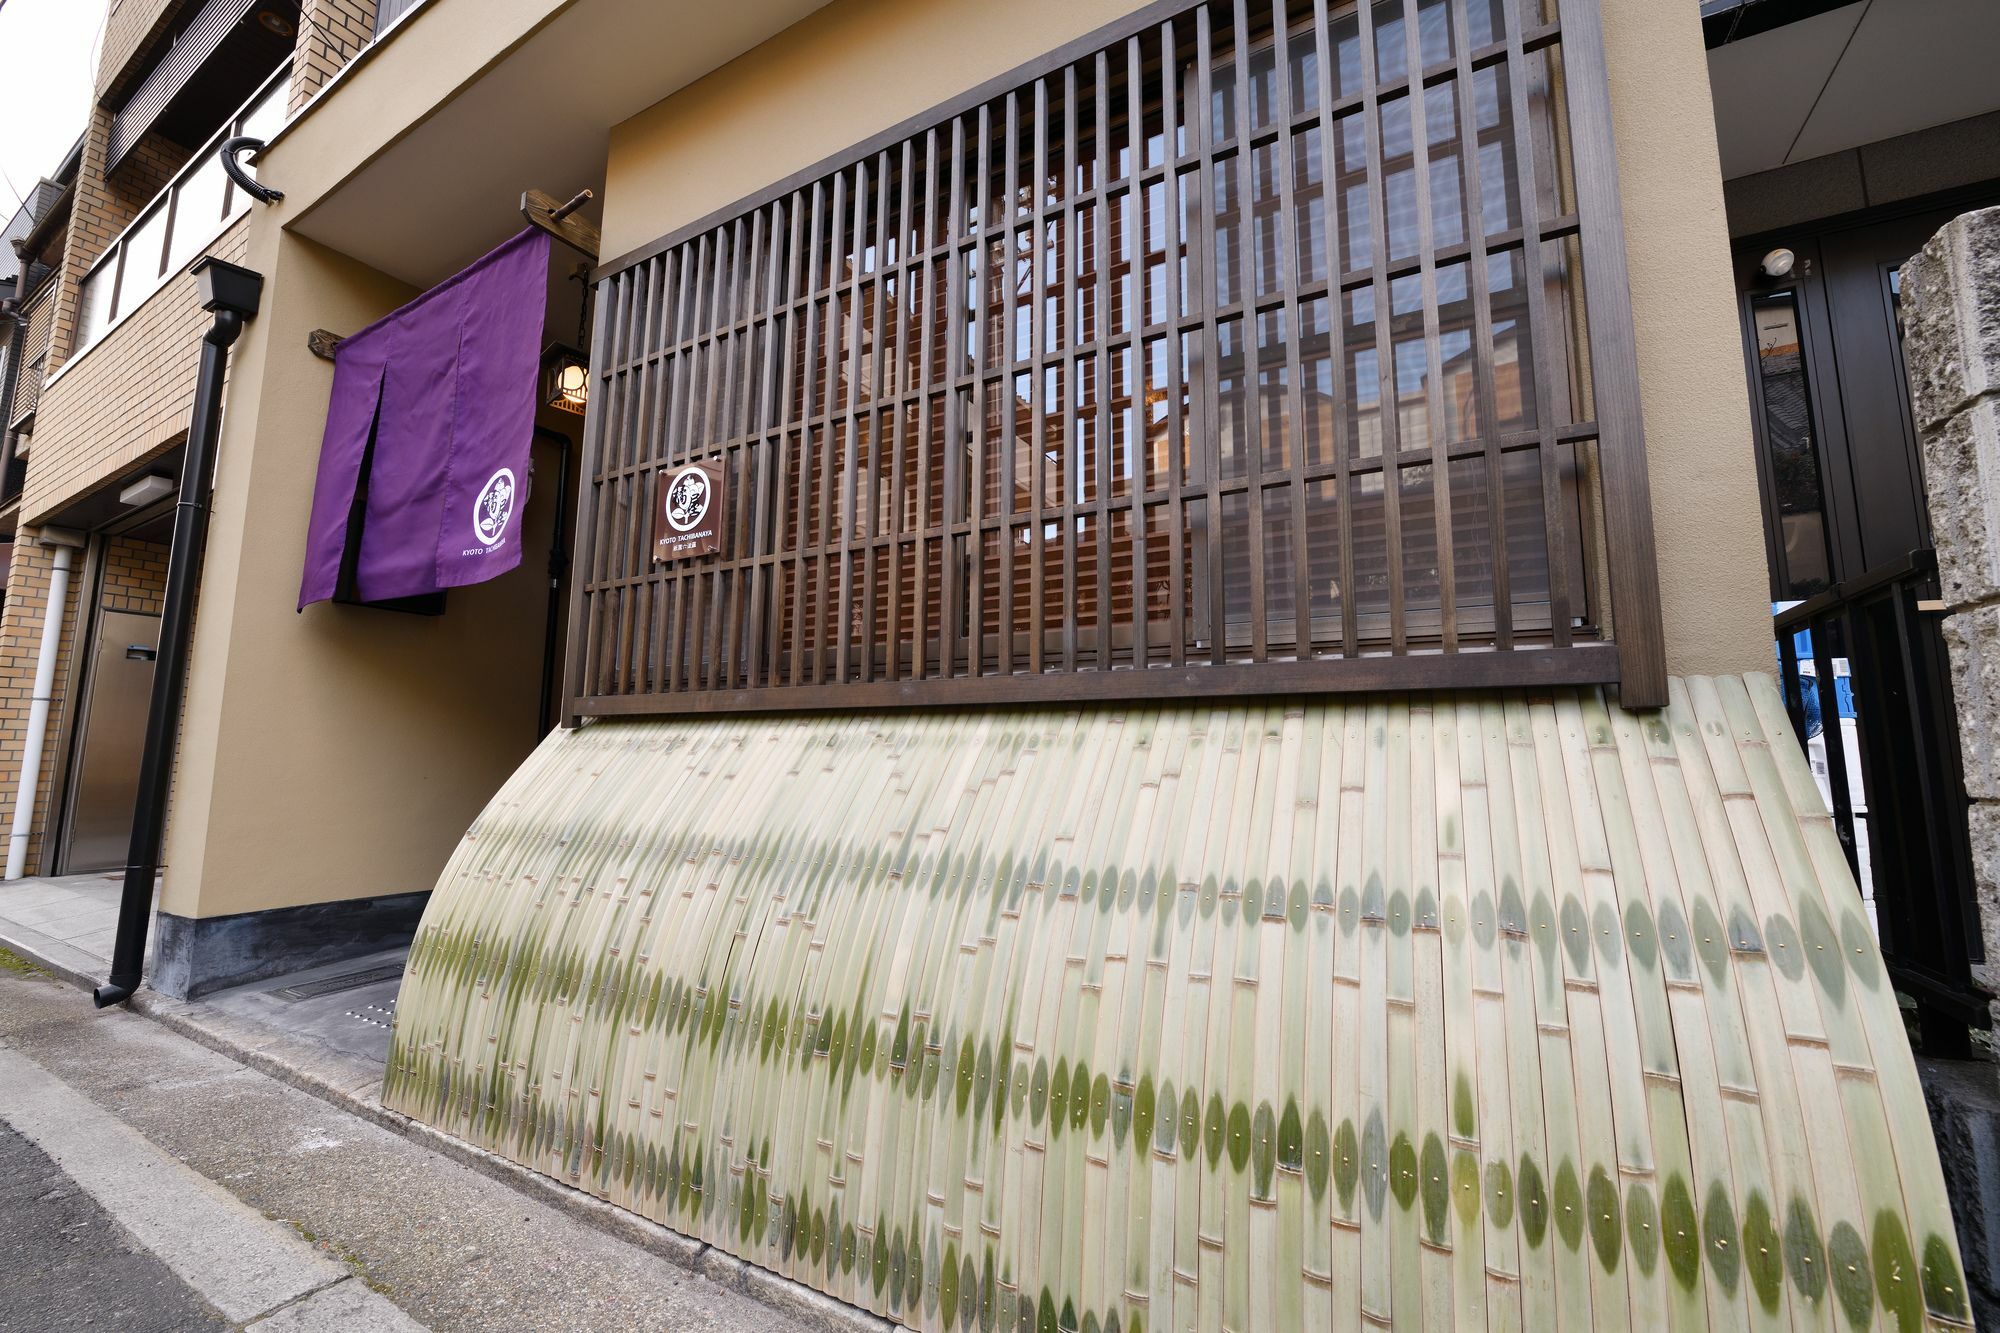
{"points": [[1837, 452], [1854, 586]]}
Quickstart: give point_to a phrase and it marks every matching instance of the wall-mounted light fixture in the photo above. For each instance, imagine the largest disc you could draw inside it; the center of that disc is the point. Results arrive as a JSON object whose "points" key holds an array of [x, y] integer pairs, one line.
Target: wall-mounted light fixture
{"points": [[148, 489], [1778, 263], [565, 378]]}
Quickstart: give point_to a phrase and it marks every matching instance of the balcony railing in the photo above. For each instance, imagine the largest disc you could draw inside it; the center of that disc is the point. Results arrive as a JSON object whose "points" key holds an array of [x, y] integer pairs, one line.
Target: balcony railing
{"points": [[1905, 828], [175, 227], [34, 353]]}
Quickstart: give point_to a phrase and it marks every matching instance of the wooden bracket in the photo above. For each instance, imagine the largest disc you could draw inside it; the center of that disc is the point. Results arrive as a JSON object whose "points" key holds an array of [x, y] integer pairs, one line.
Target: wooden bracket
{"points": [[558, 220], [323, 344]]}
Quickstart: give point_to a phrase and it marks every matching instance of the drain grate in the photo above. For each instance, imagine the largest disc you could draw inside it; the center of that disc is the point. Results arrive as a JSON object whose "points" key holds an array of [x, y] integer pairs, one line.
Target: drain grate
{"points": [[333, 985]]}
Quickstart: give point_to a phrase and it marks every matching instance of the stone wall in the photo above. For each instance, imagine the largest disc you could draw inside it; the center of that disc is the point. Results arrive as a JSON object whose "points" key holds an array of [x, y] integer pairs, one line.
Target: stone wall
{"points": [[1951, 316]]}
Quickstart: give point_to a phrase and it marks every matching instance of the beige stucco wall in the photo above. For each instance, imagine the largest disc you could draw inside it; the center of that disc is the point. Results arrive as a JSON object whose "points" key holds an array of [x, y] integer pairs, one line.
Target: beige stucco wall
{"points": [[341, 752], [818, 88], [1707, 519]]}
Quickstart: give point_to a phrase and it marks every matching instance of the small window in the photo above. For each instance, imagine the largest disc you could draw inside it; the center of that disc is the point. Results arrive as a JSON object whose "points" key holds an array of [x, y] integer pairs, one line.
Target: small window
{"points": [[1791, 453]]}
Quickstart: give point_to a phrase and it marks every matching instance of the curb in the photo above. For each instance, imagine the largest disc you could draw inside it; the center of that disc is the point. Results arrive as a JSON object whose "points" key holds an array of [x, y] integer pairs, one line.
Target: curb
{"points": [[782, 1295]]}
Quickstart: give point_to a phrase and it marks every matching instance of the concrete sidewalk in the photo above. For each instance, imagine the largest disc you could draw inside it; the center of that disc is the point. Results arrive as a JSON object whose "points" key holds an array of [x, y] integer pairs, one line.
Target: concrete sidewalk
{"points": [[268, 1204], [325, 1031]]}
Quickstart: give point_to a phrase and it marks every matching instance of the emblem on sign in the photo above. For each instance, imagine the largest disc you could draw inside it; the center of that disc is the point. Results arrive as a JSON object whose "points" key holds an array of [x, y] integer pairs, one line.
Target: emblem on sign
{"points": [[493, 508], [687, 512]]}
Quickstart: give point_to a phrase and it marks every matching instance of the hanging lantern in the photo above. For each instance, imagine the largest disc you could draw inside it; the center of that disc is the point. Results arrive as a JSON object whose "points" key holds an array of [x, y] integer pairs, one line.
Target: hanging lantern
{"points": [[565, 378]]}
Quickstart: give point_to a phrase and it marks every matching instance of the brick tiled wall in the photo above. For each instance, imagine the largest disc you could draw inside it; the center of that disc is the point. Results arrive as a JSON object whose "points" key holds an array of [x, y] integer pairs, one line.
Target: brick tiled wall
{"points": [[20, 641], [129, 26], [331, 33], [135, 575], [129, 396]]}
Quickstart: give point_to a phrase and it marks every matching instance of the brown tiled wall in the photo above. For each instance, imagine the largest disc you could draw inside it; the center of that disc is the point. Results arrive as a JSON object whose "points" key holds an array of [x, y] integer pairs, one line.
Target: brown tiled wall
{"points": [[20, 641], [129, 26], [105, 207], [331, 33], [135, 575], [128, 398]]}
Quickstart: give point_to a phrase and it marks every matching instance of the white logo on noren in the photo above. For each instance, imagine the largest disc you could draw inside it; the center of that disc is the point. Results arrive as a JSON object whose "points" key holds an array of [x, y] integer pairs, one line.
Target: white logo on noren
{"points": [[494, 507], [687, 499]]}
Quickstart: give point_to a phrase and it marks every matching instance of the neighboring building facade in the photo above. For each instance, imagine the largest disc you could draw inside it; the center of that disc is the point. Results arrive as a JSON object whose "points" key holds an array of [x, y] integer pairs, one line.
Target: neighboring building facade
{"points": [[100, 410]]}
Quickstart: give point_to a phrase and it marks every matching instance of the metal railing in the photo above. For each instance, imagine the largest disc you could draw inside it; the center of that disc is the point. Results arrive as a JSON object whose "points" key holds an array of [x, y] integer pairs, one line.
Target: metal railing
{"points": [[1905, 831]]}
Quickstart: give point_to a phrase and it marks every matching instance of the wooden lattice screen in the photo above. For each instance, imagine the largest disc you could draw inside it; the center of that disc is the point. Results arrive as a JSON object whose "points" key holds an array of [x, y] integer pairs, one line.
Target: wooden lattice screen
{"points": [[1076, 387]]}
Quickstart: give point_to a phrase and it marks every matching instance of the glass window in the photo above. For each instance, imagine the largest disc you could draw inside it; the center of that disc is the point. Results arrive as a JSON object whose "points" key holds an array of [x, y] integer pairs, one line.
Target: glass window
{"points": [[1791, 453], [144, 248], [93, 302], [267, 115], [197, 212]]}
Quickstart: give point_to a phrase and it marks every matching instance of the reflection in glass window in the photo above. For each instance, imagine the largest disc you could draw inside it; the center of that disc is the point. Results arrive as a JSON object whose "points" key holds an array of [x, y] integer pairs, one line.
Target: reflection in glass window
{"points": [[1793, 458]]}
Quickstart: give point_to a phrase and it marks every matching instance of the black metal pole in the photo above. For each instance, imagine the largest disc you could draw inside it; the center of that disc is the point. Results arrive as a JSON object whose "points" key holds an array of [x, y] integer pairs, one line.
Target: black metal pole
{"points": [[558, 569], [232, 297]]}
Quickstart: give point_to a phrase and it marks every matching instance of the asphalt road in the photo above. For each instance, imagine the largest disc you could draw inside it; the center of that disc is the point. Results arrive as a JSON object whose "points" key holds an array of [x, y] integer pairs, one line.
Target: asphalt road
{"points": [[68, 1265], [147, 1182]]}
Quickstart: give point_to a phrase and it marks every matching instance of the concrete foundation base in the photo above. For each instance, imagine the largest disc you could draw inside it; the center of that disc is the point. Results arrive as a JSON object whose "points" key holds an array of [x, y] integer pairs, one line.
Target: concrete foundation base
{"points": [[196, 955], [1964, 1098]]}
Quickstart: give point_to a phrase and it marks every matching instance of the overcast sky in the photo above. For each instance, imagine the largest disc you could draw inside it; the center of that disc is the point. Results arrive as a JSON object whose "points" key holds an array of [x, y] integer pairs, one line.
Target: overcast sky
{"points": [[48, 50]]}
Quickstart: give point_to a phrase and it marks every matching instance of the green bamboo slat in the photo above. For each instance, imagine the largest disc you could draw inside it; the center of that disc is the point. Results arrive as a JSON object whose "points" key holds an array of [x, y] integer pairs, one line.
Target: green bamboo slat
{"points": [[1350, 963], [801, 987], [1293, 855], [1669, 851], [1567, 1226], [1485, 764], [1319, 808]]}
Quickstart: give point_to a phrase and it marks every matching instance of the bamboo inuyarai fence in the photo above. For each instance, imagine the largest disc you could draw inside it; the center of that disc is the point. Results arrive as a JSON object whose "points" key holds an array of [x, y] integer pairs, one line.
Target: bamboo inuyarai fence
{"points": [[1528, 1012]]}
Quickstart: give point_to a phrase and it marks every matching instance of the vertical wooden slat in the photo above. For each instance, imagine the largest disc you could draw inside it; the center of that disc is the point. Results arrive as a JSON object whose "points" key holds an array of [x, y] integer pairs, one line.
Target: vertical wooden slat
{"points": [[975, 620], [687, 308], [1387, 405], [850, 467], [906, 302], [1010, 362], [661, 280], [1207, 400], [1066, 341], [1038, 340], [762, 446], [920, 632], [1177, 553], [807, 457], [1336, 316], [783, 422], [1291, 255], [1434, 408], [618, 678], [1101, 409], [1252, 444], [1614, 361], [866, 515], [1478, 282], [1544, 332], [949, 564], [823, 536], [1140, 480], [576, 659], [732, 436]]}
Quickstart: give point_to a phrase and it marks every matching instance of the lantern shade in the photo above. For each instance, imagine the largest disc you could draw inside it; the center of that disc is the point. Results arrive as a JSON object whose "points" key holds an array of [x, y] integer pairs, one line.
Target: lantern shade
{"points": [[565, 378]]}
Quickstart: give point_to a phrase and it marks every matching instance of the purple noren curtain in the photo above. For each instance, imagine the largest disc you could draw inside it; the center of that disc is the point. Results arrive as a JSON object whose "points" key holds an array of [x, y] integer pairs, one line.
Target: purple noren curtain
{"points": [[424, 468]]}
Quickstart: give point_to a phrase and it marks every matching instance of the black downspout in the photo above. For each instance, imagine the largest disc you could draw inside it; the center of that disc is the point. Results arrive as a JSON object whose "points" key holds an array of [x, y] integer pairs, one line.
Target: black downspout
{"points": [[558, 570], [232, 295]]}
